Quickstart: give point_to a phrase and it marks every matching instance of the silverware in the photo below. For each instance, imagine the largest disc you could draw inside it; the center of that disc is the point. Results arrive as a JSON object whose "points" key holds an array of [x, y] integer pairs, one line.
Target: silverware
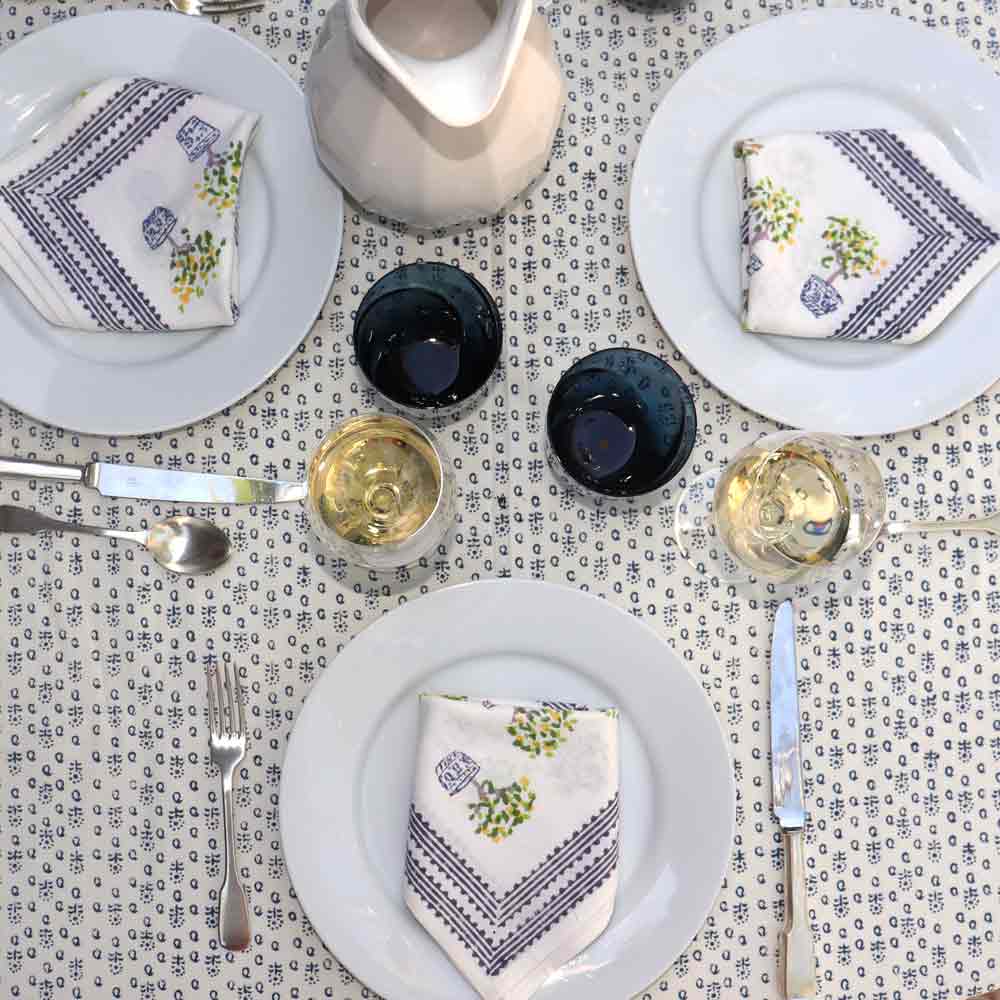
{"points": [[180, 544], [216, 7], [786, 777], [991, 525], [228, 743], [140, 483]]}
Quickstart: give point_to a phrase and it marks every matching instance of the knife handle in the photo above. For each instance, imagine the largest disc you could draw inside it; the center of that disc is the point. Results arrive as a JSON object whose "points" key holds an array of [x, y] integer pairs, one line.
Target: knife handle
{"points": [[25, 469], [800, 964]]}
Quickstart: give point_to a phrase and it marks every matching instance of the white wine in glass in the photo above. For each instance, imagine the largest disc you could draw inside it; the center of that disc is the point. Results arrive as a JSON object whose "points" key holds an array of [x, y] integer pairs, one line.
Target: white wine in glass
{"points": [[380, 492], [785, 509]]}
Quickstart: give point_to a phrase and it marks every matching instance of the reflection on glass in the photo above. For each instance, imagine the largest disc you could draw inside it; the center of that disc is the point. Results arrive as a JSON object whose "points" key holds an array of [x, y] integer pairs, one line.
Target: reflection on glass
{"points": [[786, 509]]}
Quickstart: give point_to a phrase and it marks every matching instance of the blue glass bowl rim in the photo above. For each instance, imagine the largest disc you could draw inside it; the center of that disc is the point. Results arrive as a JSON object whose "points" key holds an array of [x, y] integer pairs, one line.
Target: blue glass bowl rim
{"points": [[685, 444], [373, 295]]}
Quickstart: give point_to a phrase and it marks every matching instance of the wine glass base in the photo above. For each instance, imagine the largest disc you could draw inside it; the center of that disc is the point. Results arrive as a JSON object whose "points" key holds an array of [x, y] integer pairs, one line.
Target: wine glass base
{"points": [[697, 535]]}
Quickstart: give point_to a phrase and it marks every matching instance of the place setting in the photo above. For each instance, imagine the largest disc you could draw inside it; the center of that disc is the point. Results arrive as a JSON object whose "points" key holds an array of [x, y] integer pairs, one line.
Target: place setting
{"points": [[537, 642], [863, 171], [532, 679], [220, 263]]}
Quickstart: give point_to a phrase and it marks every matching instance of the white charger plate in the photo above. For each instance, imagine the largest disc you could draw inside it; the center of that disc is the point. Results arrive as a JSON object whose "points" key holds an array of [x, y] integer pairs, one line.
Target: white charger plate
{"points": [[837, 69], [291, 223], [347, 779]]}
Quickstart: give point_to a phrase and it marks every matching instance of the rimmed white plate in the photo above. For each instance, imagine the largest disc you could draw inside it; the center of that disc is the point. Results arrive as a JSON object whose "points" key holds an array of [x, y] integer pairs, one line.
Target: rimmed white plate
{"points": [[291, 222], [811, 71], [346, 780]]}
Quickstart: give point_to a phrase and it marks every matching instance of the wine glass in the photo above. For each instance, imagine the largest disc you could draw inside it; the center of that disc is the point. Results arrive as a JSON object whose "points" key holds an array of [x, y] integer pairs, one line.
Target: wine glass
{"points": [[381, 491], [787, 509]]}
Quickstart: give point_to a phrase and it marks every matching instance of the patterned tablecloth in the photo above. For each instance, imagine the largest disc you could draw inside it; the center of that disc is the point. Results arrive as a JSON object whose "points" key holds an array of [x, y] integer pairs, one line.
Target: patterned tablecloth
{"points": [[110, 832]]}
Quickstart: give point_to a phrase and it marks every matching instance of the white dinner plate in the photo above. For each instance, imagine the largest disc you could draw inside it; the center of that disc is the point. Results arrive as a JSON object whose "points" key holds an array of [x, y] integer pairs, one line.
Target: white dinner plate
{"points": [[347, 776], [837, 69], [291, 221]]}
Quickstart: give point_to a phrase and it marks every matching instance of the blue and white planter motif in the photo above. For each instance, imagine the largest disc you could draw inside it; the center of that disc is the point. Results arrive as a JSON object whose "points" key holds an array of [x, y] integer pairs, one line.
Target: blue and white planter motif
{"points": [[755, 264], [820, 297], [157, 226], [196, 136], [455, 770]]}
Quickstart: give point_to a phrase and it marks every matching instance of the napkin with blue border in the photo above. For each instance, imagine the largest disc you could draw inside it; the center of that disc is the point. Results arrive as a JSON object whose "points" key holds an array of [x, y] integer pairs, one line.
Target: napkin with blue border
{"points": [[122, 213], [512, 852], [867, 235]]}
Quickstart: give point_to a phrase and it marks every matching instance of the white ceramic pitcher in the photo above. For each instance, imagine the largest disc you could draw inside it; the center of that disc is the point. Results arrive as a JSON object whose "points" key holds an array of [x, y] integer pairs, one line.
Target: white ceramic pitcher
{"points": [[434, 111]]}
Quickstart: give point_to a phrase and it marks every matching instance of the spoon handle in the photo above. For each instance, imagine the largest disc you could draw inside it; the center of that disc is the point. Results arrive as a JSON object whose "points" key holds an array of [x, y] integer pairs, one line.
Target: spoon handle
{"points": [[987, 524], [19, 520]]}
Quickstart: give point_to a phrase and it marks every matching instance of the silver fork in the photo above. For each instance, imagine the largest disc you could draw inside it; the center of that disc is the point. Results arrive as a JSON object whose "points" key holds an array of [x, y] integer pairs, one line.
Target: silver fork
{"points": [[228, 744], [216, 6], [990, 524]]}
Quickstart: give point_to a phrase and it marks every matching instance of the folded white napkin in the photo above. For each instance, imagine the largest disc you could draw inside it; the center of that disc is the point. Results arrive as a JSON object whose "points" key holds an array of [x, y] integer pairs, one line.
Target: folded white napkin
{"points": [[863, 235], [122, 214], [512, 856]]}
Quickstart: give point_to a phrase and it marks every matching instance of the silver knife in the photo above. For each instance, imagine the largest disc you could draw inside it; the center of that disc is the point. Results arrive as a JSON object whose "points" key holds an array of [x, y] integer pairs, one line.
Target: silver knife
{"points": [[786, 779], [140, 483]]}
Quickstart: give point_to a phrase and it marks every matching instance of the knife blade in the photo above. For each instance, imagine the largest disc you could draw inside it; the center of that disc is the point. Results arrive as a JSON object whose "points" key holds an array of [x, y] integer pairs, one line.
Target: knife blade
{"points": [[786, 753], [789, 807], [141, 483]]}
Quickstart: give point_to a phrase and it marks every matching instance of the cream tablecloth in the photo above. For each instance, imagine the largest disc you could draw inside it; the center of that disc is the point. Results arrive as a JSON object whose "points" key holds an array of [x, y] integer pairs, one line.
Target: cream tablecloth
{"points": [[110, 831]]}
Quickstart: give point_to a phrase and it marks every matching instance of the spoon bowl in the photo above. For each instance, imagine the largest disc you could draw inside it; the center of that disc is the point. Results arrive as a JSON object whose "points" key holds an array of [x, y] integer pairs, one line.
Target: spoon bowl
{"points": [[188, 545]]}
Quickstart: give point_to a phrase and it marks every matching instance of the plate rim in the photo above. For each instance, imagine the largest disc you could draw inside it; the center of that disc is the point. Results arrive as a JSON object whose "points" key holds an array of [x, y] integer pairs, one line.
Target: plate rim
{"points": [[886, 423], [363, 970], [136, 427]]}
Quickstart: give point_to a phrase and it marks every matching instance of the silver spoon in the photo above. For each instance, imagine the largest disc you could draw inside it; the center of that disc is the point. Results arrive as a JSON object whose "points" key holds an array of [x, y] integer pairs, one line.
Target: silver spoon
{"points": [[180, 544], [991, 525]]}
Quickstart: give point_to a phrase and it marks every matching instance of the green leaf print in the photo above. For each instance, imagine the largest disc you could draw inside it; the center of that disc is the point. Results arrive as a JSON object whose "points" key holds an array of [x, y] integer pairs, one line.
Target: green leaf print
{"points": [[774, 214], [498, 812], [193, 264], [220, 181], [745, 148], [541, 730], [853, 250]]}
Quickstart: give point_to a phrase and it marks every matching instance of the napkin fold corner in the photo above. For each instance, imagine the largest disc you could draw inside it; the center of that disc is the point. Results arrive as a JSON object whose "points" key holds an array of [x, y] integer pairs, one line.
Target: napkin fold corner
{"points": [[123, 214], [866, 235], [513, 841]]}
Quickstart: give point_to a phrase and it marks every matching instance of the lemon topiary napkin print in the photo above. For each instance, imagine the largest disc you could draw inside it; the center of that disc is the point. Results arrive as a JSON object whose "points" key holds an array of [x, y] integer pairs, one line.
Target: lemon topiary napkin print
{"points": [[513, 842]]}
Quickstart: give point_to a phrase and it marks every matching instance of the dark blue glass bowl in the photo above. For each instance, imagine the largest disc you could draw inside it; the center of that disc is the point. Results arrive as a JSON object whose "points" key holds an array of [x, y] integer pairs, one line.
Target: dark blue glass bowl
{"points": [[428, 336], [621, 422]]}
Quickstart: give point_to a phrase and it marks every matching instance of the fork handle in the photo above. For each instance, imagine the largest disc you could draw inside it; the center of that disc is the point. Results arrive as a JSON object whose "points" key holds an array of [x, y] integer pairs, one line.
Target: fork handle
{"points": [[988, 524], [234, 912]]}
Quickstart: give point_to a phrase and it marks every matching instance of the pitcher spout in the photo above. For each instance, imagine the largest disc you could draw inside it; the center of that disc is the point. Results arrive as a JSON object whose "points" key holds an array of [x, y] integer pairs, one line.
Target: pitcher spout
{"points": [[461, 86]]}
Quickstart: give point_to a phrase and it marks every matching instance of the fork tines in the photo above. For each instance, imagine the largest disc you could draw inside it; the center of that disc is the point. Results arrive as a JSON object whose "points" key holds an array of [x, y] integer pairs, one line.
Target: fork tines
{"points": [[217, 6], [235, 7], [225, 701]]}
